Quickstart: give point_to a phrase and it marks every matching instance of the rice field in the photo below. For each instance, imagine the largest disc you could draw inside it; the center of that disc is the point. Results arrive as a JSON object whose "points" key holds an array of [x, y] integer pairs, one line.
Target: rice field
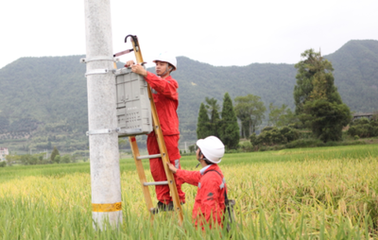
{"points": [[312, 193]]}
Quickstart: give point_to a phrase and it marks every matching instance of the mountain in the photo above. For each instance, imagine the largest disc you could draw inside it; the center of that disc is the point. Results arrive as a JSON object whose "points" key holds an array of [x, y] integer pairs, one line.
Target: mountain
{"points": [[272, 82], [43, 101], [356, 74]]}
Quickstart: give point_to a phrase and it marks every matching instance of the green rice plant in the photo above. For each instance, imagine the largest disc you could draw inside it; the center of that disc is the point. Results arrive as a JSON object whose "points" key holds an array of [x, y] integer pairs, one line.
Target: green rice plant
{"points": [[323, 193]]}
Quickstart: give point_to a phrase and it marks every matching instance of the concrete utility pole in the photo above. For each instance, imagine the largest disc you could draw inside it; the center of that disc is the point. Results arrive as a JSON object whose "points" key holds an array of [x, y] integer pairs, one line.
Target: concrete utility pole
{"points": [[102, 118]]}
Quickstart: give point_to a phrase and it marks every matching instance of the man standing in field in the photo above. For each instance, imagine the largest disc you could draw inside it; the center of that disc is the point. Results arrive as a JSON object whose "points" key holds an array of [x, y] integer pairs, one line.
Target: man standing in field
{"points": [[210, 198], [164, 91]]}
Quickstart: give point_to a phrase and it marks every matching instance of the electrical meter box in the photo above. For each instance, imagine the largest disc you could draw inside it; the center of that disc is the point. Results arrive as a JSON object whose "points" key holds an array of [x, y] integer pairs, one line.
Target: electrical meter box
{"points": [[133, 104]]}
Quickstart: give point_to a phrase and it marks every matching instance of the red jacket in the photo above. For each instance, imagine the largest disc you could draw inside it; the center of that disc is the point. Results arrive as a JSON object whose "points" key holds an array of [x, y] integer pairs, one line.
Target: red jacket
{"points": [[210, 195], [166, 100]]}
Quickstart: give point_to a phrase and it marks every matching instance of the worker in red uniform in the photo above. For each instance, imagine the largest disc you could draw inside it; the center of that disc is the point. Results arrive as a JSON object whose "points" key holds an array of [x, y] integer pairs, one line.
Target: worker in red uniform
{"points": [[164, 91], [210, 198]]}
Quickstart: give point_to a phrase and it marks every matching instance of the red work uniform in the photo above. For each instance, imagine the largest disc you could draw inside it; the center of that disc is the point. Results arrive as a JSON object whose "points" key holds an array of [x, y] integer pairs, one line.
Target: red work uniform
{"points": [[210, 195], [165, 96]]}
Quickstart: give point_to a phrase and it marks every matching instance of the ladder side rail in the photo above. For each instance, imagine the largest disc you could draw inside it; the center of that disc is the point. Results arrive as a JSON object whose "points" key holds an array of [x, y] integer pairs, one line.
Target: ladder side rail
{"points": [[141, 174], [165, 158], [159, 136]]}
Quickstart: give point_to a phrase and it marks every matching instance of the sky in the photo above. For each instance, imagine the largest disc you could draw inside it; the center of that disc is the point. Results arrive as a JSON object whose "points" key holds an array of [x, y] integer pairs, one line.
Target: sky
{"points": [[217, 32]]}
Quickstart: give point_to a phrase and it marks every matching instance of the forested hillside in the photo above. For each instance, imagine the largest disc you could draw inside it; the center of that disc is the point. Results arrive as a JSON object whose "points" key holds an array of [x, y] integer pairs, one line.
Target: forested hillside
{"points": [[43, 101], [272, 82], [356, 74]]}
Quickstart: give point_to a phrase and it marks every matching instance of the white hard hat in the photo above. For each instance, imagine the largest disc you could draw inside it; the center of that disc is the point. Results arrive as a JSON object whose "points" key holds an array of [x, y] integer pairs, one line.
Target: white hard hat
{"points": [[212, 148], [166, 57]]}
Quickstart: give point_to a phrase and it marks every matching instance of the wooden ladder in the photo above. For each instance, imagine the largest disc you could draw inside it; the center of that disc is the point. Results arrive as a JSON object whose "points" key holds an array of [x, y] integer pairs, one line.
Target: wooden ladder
{"points": [[163, 152]]}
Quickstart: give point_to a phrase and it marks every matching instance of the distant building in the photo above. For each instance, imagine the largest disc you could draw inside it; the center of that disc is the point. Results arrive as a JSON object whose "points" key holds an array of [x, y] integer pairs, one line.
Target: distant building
{"points": [[3, 153], [363, 115]]}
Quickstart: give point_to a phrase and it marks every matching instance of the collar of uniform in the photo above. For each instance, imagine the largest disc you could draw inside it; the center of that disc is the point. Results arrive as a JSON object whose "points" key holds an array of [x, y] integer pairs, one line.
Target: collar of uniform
{"points": [[202, 171]]}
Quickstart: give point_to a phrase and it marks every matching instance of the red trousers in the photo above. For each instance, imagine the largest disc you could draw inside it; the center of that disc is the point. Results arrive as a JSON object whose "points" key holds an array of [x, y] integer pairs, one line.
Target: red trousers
{"points": [[157, 169]]}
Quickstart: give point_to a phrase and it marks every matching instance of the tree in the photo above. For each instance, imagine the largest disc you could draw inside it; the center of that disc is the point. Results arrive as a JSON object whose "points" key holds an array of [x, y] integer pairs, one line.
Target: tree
{"points": [[272, 136], [318, 103], [213, 110], [314, 80], [203, 129], [123, 143], [57, 159], [192, 148], [327, 119], [65, 159], [250, 110], [305, 74], [53, 154], [229, 130], [280, 117], [363, 127], [29, 159], [12, 159]]}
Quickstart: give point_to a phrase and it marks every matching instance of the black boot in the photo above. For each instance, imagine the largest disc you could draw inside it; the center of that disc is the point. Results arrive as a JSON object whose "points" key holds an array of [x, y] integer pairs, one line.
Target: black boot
{"points": [[162, 207]]}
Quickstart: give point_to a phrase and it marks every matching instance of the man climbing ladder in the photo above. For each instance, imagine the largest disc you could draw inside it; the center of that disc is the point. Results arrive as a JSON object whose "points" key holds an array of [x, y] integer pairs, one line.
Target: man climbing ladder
{"points": [[165, 96]]}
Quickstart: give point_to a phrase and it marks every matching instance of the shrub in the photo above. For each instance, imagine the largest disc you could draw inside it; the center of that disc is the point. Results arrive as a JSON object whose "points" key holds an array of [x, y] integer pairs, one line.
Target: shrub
{"points": [[290, 134], [270, 136], [57, 159], [363, 128], [232, 151], [253, 139], [245, 147], [66, 159], [192, 148], [300, 143]]}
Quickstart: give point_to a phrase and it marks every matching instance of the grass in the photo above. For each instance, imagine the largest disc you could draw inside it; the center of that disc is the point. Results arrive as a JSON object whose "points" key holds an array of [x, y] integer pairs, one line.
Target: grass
{"points": [[321, 193]]}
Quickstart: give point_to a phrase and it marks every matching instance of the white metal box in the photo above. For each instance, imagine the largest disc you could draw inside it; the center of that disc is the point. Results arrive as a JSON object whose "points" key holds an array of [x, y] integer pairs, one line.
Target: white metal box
{"points": [[133, 104]]}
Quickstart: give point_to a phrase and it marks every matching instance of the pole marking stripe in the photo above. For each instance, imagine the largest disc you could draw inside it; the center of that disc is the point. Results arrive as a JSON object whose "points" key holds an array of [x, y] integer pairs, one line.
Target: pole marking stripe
{"points": [[106, 207]]}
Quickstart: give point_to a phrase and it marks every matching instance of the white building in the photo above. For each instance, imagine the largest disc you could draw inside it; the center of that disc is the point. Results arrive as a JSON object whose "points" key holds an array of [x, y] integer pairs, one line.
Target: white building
{"points": [[3, 153]]}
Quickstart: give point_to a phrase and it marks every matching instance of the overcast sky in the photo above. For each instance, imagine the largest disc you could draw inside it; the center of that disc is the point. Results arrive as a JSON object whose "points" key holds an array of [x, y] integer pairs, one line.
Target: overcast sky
{"points": [[218, 32]]}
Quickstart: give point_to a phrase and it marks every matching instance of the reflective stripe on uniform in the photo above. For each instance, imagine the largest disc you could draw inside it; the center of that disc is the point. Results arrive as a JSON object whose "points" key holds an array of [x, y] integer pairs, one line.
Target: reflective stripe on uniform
{"points": [[222, 185]]}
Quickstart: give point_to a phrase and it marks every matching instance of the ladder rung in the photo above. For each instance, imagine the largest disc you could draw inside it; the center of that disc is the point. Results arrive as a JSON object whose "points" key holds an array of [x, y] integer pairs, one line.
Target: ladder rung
{"points": [[155, 183], [149, 156]]}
